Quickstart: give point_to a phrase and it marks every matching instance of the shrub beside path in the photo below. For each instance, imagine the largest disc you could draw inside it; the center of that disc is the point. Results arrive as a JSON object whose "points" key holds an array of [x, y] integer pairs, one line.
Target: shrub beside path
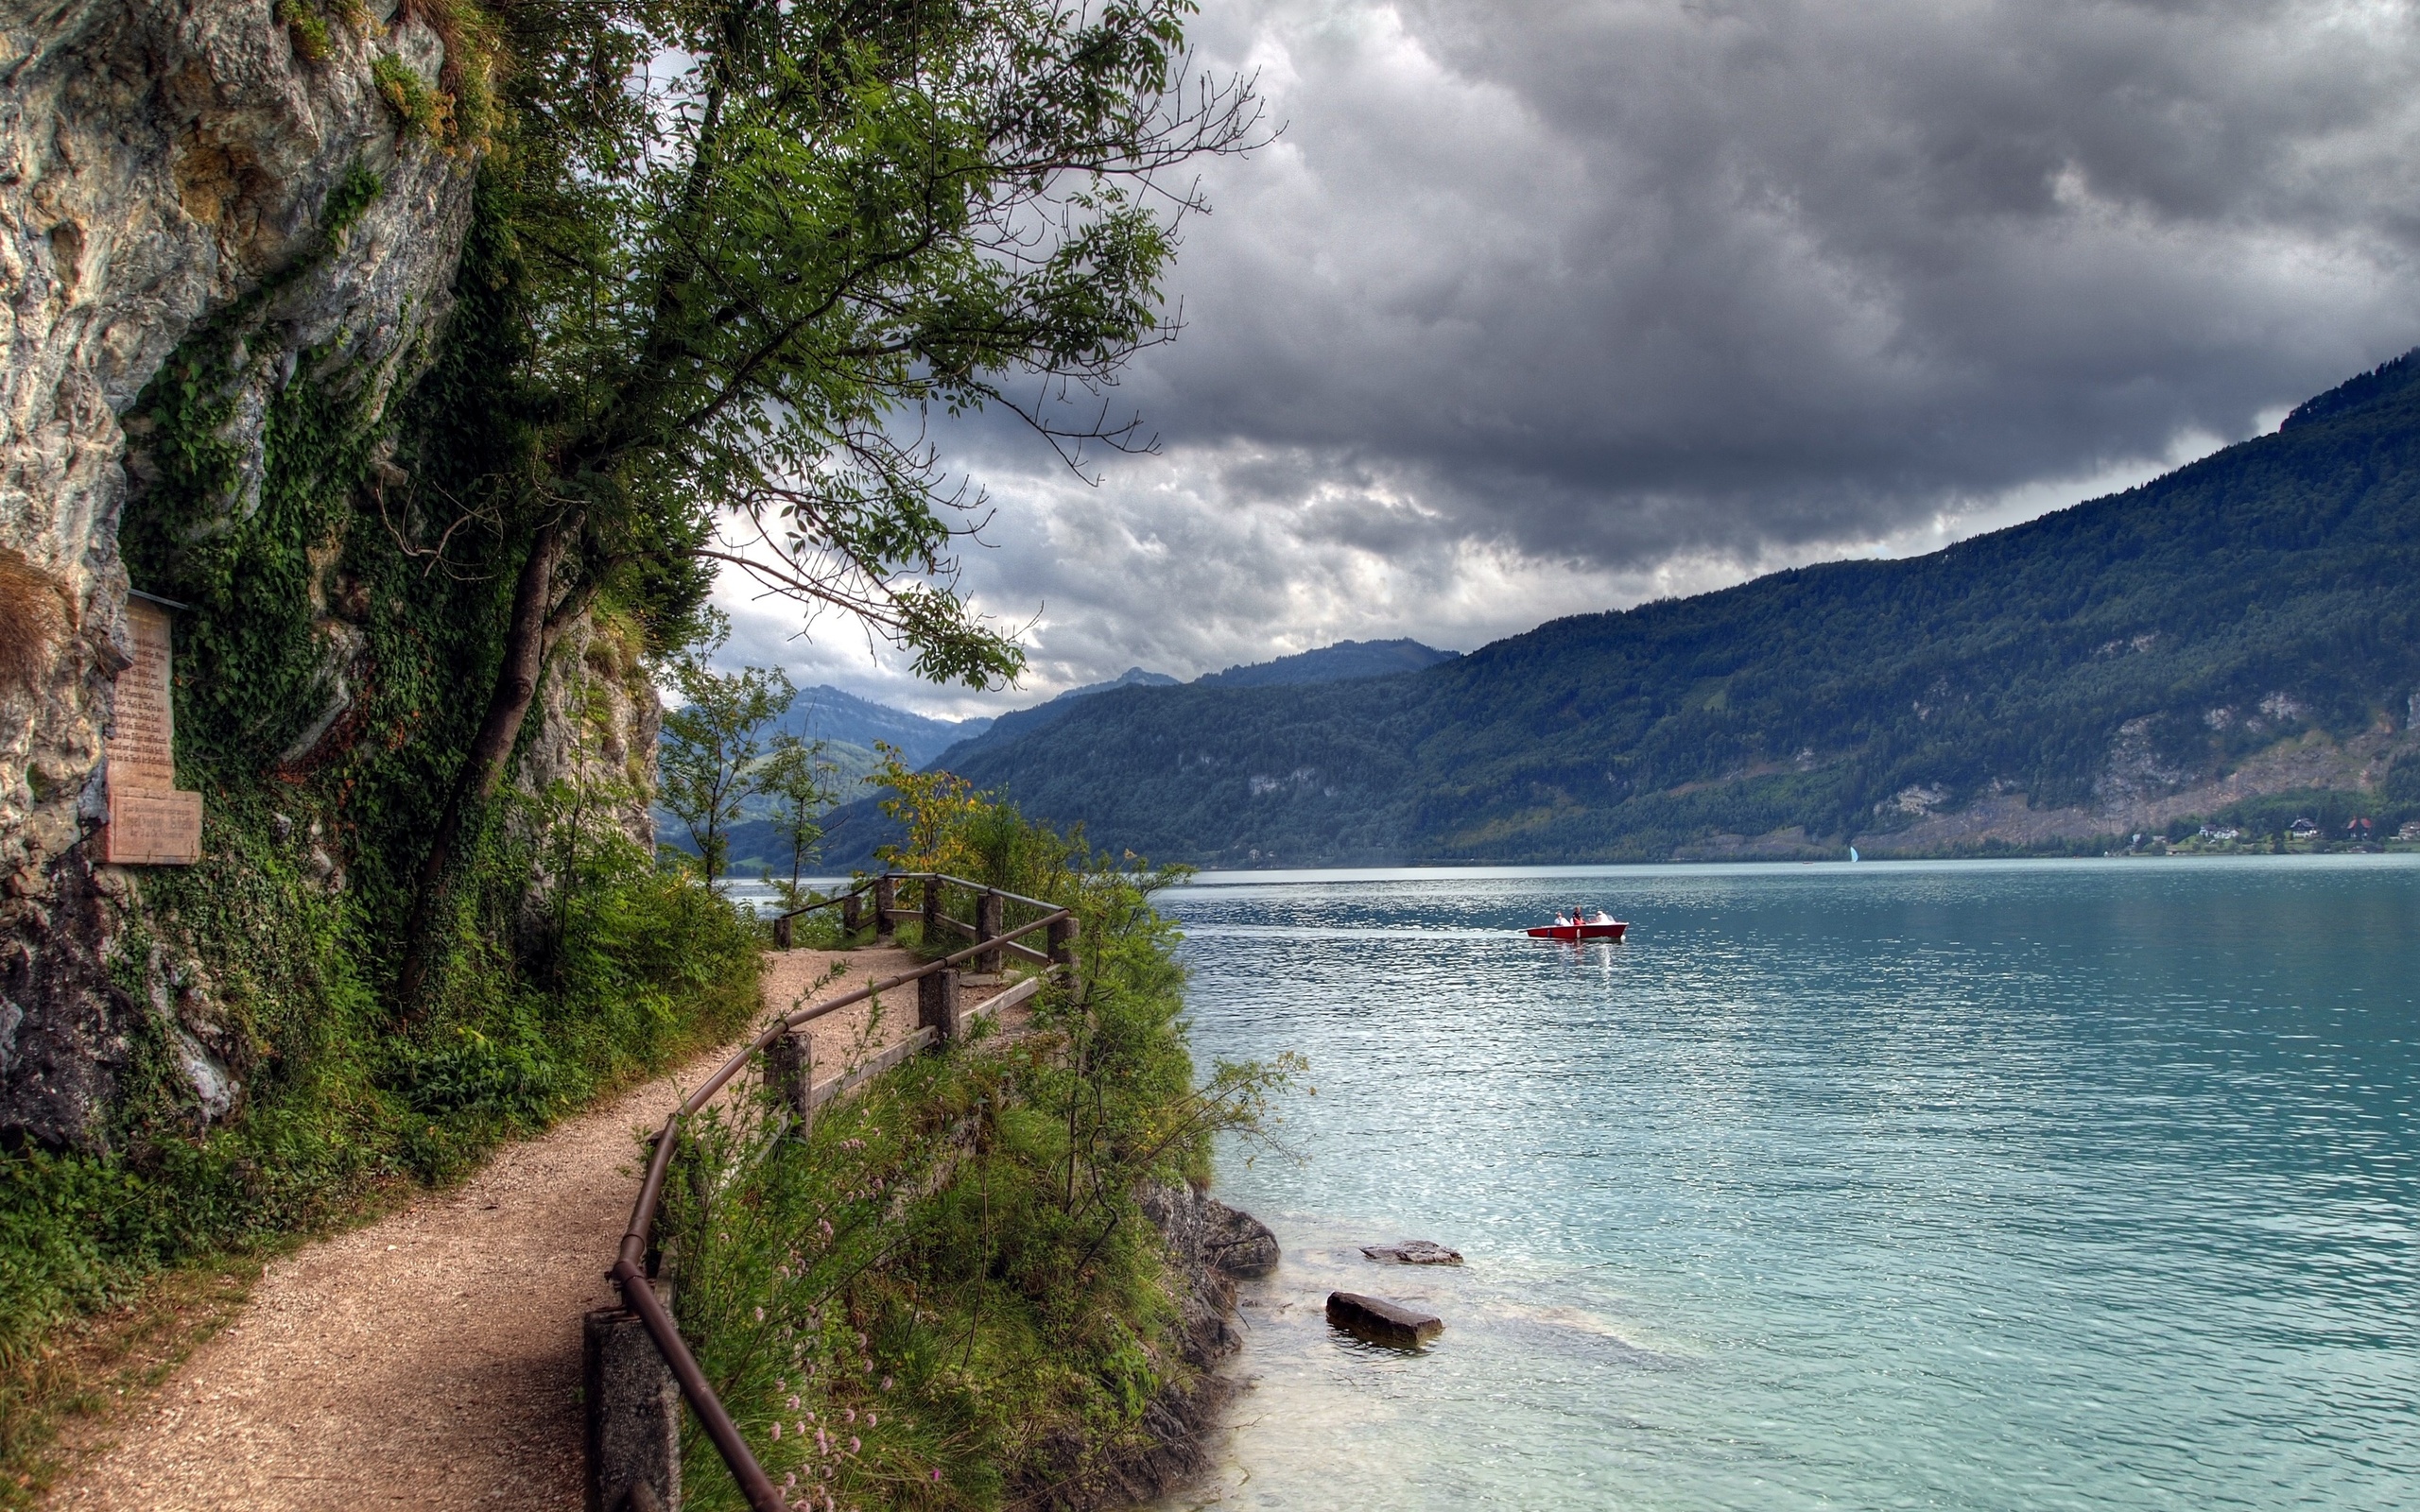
{"points": [[431, 1359]]}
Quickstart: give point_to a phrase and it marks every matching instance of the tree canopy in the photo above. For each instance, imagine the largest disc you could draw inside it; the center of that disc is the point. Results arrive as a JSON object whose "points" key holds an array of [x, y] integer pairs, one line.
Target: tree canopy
{"points": [[748, 251]]}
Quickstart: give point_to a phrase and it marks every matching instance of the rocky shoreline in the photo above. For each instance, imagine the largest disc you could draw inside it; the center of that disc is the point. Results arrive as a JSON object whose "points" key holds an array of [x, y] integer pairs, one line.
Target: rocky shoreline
{"points": [[1212, 1246]]}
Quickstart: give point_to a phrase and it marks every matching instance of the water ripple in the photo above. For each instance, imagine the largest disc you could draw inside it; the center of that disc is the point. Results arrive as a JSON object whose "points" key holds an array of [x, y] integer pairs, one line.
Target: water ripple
{"points": [[1988, 1185]]}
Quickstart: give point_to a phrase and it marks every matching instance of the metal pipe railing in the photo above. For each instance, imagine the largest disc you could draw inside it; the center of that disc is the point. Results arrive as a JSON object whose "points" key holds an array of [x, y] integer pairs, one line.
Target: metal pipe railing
{"points": [[629, 1272], [825, 903], [914, 876]]}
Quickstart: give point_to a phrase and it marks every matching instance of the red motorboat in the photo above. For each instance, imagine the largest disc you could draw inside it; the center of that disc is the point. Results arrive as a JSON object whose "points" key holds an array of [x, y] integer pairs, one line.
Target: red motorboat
{"points": [[1580, 925]]}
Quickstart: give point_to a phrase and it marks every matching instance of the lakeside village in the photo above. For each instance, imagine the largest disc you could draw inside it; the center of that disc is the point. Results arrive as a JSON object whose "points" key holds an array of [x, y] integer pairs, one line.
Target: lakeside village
{"points": [[2304, 836]]}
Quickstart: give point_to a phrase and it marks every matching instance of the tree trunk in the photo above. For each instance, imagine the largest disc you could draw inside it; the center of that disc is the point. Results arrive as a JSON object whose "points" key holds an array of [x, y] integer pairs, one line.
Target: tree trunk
{"points": [[482, 769]]}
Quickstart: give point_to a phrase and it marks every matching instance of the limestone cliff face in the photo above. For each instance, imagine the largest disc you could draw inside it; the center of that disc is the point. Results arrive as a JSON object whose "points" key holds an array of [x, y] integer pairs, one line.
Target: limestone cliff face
{"points": [[595, 724], [158, 162]]}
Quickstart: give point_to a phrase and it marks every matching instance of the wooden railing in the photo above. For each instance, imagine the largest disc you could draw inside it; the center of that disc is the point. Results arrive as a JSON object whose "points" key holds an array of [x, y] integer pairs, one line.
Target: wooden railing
{"points": [[790, 1055]]}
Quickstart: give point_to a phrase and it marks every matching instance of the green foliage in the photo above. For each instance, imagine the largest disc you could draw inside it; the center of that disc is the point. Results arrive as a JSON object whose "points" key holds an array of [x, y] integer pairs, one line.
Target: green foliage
{"points": [[800, 783], [312, 38], [2402, 784], [418, 107], [766, 239], [333, 1107], [933, 1298], [318, 712], [711, 746], [2005, 664]]}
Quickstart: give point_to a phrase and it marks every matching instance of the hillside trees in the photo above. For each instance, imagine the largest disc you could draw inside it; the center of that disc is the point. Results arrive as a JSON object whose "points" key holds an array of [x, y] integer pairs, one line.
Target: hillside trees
{"points": [[750, 248], [711, 743], [2118, 653]]}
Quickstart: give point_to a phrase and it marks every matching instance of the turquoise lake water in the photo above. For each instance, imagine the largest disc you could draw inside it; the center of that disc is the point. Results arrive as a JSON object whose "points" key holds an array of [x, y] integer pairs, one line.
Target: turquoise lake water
{"points": [[2023, 1185]]}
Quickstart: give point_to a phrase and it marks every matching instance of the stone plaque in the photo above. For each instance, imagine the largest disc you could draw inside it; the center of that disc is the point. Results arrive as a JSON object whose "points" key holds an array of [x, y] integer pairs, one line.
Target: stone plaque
{"points": [[150, 824]]}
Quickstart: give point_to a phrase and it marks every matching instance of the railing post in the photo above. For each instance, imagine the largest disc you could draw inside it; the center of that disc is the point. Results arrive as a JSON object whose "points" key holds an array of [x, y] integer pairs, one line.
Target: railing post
{"points": [[885, 899], [781, 933], [987, 927], [789, 1073], [932, 911], [633, 1413], [850, 916], [936, 1005], [1063, 942]]}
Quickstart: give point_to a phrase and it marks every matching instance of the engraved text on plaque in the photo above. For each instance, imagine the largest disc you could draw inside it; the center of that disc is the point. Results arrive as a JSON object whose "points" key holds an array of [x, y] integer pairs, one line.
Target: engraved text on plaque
{"points": [[150, 824]]}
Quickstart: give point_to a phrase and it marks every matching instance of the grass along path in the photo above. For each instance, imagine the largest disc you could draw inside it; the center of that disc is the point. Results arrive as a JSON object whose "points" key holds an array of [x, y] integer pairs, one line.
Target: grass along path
{"points": [[431, 1359]]}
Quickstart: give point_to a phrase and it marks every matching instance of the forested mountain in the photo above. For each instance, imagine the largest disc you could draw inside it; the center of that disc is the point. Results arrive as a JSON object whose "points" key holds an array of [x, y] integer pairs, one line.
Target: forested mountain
{"points": [[1019, 722], [2242, 627], [1339, 663], [849, 726], [839, 720]]}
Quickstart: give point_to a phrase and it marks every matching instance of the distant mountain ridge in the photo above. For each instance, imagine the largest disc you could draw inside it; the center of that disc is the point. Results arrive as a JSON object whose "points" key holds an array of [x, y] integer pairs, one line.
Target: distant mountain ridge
{"points": [[1339, 663], [828, 713], [849, 726], [2242, 632]]}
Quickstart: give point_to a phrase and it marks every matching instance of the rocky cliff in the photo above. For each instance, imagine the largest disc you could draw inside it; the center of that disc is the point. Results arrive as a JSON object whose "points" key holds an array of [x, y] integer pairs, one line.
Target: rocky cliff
{"points": [[268, 178]]}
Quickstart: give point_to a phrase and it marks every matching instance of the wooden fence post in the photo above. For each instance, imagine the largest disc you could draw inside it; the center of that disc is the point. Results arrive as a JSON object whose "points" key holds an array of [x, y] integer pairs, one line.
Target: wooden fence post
{"points": [[789, 1073], [633, 1413], [1063, 942], [850, 916], [781, 933], [936, 1005], [987, 927], [932, 911], [886, 898]]}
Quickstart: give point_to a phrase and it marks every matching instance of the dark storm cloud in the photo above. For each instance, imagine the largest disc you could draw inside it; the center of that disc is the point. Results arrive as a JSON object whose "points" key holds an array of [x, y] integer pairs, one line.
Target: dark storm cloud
{"points": [[1729, 274], [1537, 307]]}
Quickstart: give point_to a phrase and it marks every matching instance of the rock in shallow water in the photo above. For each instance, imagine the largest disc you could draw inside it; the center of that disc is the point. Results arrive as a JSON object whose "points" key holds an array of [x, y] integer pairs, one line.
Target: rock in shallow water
{"points": [[1381, 1321], [1414, 1252]]}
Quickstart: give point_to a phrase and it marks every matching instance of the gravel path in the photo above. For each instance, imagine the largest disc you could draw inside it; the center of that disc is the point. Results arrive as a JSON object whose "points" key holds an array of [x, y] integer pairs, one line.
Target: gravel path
{"points": [[432, 1358]]}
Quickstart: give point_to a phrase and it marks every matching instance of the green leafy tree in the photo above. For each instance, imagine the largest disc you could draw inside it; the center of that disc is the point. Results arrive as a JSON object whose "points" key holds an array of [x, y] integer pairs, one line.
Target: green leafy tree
{"points": [[801, 785], [753, 246], [711, 743]]}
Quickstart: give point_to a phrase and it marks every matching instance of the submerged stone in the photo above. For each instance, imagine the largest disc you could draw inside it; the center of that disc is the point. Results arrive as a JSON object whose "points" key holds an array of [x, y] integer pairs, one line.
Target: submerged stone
{"points": [[1414, 1252], [1381, 1321]]}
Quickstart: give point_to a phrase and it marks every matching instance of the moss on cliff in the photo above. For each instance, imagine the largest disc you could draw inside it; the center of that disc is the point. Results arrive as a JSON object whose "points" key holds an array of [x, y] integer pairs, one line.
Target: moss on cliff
{"points": [[340, 604]]}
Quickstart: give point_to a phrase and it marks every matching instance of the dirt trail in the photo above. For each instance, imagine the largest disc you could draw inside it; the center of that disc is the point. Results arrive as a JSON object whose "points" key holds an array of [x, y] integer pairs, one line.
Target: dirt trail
{"points": [[432, 1358]]}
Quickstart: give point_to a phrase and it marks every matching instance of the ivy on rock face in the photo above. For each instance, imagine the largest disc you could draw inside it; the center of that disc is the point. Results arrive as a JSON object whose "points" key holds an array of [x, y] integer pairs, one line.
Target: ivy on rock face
{"points": [[267, 1085]]}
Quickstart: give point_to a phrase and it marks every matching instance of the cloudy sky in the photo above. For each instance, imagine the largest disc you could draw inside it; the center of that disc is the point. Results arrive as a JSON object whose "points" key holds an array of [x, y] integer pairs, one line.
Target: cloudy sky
{"points": [[1545, 306]]}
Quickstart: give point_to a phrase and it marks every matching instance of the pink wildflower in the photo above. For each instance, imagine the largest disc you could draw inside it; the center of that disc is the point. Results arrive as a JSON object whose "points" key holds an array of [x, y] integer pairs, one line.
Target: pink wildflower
{"points": [[854, 1444], [777, 1432], [848, 1415], [886, 1383], [793, 1404], [936, 1477], [871, 1421], [760, 1314]]}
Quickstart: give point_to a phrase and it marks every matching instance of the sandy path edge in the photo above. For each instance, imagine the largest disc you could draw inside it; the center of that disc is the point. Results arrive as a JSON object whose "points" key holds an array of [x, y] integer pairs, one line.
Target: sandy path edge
{"points": [[430, 1358]]}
